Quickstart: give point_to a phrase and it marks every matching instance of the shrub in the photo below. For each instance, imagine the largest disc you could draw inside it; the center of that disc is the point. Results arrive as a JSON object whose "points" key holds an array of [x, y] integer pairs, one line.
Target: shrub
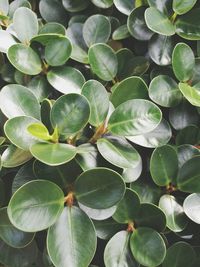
{"points": [[100, 136]]}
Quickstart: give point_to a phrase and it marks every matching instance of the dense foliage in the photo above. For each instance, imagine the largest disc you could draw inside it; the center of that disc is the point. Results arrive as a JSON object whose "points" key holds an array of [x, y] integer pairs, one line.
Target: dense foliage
{"points": [[99, 127]]}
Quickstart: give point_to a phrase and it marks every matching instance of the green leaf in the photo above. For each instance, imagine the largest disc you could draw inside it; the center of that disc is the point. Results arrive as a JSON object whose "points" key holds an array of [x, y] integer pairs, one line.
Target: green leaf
{"points": [[132, 174], [24, 59], [183, 62], [176, 219], [39, 130], [164, 91], [25, 24], [96, 94], [127, 208], [98, 214], [125, 6], [191, 207], [118, 152], [147, 247], [66, 79], [52, 27], [16, 131], [11, 235], [158, 22], [36, 205], [164, 6], [187, 25], [117, 252], [79, 48], [70, 113], [6, 41], [180, 254], [103, 61], [16, 4], [186, 152], [160, 49], [67, 239], [137, 25], [53, 154], [16, 257], [59, 14], [130, 88], [149, 215], [99, 188], [17, 100], [192, 94], [58, 51], [188, 176], [121, 33], [188, 135], [158, 137], [134, 117], [164, 165], [14, 156], [183, 6], [75, 5], [96, 29], [39, 87], [102, 4]]}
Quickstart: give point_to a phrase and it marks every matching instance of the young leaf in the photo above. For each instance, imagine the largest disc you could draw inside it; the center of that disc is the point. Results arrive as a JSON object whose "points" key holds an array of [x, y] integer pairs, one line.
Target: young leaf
{"points": [[191, 93], [36, 205], [39, 130]]}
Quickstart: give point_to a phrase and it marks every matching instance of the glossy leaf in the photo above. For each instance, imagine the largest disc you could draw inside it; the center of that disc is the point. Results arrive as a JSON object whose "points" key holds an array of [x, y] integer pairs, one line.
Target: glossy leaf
{"points": [[75, 5], [96, 29], [164, 91], [125, 6], [76, 230], [53, 154], [16, 131], [128, 208], [25, 59], [17, 100], [131, 88], [118, 152], [158, 137], [183, 62], [186, 25], [117, 252], [188, 176], [191, 207], [25, 24], [36, 206], [103, 61], [11, 235], [160, 49], [99, 188], [176, 219], [147, 246], [186, 152], [164, 165], [96, 94], [66, 79], [137, 25], [134, 117], [4, 7], [182, 7], [58, 51], [7, 40], [70, 113], [14, 157], [192, 94], [180, 254], [158, 22]]}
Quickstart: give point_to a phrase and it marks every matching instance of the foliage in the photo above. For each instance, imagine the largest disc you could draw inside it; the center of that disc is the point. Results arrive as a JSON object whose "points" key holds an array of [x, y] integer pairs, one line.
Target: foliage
{"points": [[99, 133]]}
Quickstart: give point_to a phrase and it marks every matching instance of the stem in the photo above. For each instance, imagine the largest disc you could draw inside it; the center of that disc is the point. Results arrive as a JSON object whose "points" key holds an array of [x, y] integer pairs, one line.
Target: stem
{"points": [[170, 188], [69, 199], [98, 133], [130, 227], [173, 17]]}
